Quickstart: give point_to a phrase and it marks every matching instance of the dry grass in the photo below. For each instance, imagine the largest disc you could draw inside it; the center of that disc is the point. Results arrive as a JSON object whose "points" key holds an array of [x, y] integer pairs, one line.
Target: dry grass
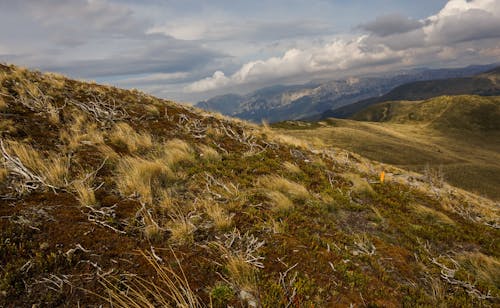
{"points": [[483, 268], [208, 153], [181, 228], [85, 193], [281, 184], [123, 136], [152, 110], [279, 201], [4, 173], [82, 131], [142, 178], [175, 151], [242, 274], [7, 126], [359, 185], [152, 230], [428, 212], [221, 219], [53, 169], [291, 167], [3, 104], [170, 289]]}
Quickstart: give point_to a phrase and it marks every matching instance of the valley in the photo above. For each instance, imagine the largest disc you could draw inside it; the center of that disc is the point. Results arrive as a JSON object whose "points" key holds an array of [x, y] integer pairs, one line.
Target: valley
{"points": [[450, 134]]}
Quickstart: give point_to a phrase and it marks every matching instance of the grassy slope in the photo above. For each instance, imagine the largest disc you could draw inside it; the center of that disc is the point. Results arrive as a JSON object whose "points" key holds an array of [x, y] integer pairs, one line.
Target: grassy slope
{"points": [[459, 134], [115, 173]]}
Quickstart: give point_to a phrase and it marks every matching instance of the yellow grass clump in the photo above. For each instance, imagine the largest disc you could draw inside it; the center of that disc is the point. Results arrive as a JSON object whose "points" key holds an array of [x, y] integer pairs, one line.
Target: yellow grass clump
{"points": [[181, 228], [208, 153], [53, 169], [291, 167], [3, 104], [428, 212], [279, 201], [485, 269], [7, 126], [142, 178], [3, 174], [221, 219], [125, 137], [82, 131], [242, 274], [283, 185], [85, 193], [175, 151]]}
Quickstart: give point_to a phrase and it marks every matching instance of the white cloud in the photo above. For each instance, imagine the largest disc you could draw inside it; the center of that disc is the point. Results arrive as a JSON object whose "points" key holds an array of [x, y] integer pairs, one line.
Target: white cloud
{"points": [[217, 80], [439, 38], [462, 20]]}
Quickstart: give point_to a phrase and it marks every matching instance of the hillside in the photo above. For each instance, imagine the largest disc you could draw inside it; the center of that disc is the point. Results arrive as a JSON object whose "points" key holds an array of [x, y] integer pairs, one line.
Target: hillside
{"points": [[459, 135], [487, 84], [116, 198], [279, 102]]}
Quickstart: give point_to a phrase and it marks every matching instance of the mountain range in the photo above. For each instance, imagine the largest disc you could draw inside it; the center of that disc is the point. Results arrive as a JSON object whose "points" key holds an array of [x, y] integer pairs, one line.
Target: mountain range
{"points": [[486, 84], [311, 100]]}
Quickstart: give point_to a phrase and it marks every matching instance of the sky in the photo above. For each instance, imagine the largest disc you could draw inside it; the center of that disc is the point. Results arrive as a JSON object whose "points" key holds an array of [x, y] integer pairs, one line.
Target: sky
{"points": [[190, 50]]}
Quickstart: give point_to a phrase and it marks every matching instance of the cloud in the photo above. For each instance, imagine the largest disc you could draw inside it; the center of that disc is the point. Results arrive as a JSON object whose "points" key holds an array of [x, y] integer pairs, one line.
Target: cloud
{"points": [[73, 21], [461, 30], [336, 56], [391, 24], [462, 20], [220, 28], [217, 80]]}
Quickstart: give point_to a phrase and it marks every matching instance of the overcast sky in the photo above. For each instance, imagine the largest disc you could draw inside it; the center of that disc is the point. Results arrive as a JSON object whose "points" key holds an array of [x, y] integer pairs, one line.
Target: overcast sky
{"points": [[189, 50]]}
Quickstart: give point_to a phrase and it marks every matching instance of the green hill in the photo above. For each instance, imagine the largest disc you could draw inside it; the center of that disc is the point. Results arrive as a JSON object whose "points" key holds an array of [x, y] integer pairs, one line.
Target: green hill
{"points": [[116, 198], [458, 113]]}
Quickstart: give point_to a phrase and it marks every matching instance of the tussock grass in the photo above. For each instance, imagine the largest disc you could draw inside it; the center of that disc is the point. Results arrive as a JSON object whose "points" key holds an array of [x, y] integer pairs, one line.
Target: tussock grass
{"points": [[53, 169], [85, 193], [181, 228], [279, 201], [221, 219], [123, 136], [82, 131], [283, 185], [4, 173], [152, 230], [7, 126], [242, 274], [170, 289], [208, 153], [3, 104], [483, 268], [359, 185], [152, 110], [428, 212], [175, 151], [142, 178], [291, 167]]}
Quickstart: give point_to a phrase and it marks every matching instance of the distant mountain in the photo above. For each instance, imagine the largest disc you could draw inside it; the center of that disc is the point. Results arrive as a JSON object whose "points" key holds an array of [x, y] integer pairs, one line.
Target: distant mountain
{"points": [[311, 100], [486, 84]]}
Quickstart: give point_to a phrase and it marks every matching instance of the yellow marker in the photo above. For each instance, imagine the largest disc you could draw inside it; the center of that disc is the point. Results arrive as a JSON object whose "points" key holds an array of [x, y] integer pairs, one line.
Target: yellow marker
{"points": [[382, 177]]}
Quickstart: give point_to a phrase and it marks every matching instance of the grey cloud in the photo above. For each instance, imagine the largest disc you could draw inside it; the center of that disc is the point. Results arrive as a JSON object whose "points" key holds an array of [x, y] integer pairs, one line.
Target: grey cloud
{"points": [[391, 24]]}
